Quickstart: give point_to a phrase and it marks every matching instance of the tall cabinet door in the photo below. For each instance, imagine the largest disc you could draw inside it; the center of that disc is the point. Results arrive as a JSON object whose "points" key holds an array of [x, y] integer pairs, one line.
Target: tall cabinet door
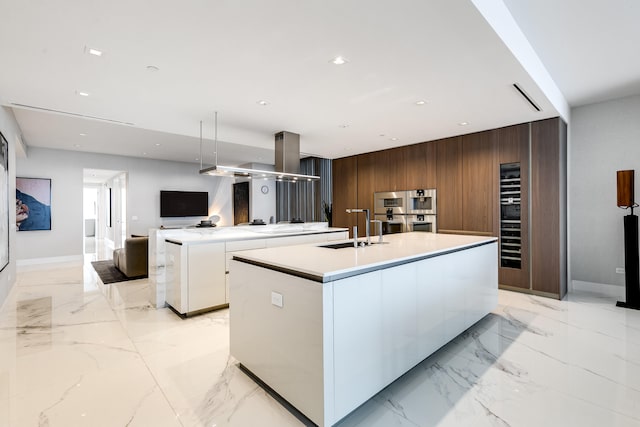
{"points": [[513, 148], [479, 195], [345, 191], [449, 177], [420, 161], [367, 171], [548, 207]]}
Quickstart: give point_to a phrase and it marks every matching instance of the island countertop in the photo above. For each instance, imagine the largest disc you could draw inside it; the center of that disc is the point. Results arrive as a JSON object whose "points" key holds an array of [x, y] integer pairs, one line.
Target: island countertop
{"points": [[199, 235], [322, 264]]}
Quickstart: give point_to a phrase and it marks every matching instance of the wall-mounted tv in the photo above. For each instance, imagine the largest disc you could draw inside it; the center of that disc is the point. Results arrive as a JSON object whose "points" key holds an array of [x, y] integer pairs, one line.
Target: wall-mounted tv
{"points": [[184, 203]]}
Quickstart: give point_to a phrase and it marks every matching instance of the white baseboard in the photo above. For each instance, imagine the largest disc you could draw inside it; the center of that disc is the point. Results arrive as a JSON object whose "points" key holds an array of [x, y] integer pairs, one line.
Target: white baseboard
{"points": [[599, 288], [31, 263]]}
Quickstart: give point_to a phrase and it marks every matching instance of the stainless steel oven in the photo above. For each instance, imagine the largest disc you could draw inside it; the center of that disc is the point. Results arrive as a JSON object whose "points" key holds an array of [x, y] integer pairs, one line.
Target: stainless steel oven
{"points": [[392, 224], [424, 223], [421, 202], [390, 203]]}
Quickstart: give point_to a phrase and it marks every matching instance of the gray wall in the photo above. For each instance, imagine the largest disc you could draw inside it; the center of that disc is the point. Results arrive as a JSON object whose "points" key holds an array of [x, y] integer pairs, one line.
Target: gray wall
{"points": [[605, 137], [11, 132], [145, 180]]}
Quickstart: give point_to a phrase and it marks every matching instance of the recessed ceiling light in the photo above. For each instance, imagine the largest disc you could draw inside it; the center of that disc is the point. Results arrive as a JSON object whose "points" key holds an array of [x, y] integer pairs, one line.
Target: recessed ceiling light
{"points": [[95, 52], [144, 154], [83, 134], [76, 145], [197, 159], [152, 68], [83, 93], [262, 102], [421, 102], [393, 139], [157, 144], [463, 123], [339, 60]]}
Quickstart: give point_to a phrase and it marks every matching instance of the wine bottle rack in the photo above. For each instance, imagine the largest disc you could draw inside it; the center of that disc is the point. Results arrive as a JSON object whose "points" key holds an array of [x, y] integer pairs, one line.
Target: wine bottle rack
{"points": [[510, 219]]}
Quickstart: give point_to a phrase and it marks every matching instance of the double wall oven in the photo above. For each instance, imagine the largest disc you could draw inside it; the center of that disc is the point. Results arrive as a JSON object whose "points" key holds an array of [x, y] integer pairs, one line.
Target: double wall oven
{"points": [[402, 211], [390, 207]]}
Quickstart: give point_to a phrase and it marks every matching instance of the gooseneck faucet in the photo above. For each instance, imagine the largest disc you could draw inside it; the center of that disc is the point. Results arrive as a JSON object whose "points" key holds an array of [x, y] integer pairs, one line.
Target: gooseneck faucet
{"points": [[366, 212]]}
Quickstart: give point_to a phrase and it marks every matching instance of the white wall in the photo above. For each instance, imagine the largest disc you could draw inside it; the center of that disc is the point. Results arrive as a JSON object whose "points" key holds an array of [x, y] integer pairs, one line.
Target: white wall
{"points": [[11, 131], [605, 138], [146, 178]]}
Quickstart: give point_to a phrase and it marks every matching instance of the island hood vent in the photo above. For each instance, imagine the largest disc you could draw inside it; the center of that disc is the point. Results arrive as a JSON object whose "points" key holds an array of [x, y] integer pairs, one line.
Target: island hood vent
{"points": [[287, 161]]}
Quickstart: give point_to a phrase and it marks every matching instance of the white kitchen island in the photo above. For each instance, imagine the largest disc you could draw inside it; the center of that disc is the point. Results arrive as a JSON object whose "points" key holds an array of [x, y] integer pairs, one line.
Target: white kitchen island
{"points": [[329, 328], [188, 267]]}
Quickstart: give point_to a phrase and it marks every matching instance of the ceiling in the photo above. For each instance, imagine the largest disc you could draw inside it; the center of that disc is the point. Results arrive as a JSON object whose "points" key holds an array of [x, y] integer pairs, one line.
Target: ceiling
{"points": [[226, 56]]}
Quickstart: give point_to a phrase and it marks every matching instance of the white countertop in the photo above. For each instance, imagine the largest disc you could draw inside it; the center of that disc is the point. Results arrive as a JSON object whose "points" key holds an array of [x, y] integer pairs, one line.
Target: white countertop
{"points": [[196, 235], [324, 264]]}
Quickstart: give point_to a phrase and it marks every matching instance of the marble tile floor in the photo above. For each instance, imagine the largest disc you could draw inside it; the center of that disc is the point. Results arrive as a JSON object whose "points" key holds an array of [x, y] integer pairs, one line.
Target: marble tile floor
{"points": [[75, 352]]}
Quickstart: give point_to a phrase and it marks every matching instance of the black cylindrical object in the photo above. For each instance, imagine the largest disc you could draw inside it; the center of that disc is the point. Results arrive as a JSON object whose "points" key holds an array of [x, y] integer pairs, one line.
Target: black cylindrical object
{"points": [[631, 268]]}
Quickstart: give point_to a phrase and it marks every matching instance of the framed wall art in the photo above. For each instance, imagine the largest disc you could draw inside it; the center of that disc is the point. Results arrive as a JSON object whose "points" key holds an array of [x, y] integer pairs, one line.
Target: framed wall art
{"points": [[4, 202], [33, 204]]}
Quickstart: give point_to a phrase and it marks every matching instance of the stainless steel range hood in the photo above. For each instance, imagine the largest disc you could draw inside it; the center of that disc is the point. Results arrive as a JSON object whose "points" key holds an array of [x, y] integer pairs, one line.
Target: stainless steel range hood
{"points": [[287, 163]]}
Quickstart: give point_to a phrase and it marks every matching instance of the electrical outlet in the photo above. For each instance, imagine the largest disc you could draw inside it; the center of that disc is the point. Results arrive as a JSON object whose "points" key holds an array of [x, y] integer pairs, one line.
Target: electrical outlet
{"points": [[276, 299], [620, 270]]}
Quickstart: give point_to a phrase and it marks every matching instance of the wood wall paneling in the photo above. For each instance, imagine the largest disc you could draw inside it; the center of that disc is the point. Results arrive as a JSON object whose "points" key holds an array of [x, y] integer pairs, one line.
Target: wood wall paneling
{"points": [[389, 169], [478, 181], [397, 168], [545, 209], [367, 171], [465, 171], [449, 180], [513, 147], [420, 161], [345, 191]]}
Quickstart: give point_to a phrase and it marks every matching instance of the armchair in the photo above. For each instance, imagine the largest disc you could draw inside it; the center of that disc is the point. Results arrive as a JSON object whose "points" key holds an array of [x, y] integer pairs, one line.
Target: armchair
{"points": [[132, 259]]}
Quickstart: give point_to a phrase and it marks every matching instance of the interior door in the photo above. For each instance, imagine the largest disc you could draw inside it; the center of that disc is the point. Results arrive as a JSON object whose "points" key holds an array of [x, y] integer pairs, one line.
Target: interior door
{"points": [[240, 202], [119, 209]]}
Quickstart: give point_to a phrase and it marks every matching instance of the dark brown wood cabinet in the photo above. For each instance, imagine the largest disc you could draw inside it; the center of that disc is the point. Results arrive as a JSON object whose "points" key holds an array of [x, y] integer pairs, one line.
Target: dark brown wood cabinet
{"points": [[345, 191], [389, 169], [420, 166], [449, 177], [548, 207], [367, 173], [479, 190]]}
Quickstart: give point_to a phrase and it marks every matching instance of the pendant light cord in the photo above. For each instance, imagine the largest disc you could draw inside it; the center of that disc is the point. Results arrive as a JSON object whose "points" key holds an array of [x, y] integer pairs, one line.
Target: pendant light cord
{"points": [[201, 144], [216, 137]]}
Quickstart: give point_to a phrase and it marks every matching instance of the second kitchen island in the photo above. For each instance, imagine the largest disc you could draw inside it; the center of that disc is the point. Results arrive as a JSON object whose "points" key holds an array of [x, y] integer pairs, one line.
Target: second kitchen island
{"points": [[329, 328]]}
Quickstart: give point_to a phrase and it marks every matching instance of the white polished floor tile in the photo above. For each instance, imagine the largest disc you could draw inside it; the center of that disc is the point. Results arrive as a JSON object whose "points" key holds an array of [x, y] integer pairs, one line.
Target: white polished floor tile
{"points": [[76, 352]]}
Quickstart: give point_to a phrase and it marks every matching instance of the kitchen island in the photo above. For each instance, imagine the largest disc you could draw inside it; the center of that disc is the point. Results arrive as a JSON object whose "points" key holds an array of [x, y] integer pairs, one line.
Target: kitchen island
{"points": [[329, 328], [188, 266]]}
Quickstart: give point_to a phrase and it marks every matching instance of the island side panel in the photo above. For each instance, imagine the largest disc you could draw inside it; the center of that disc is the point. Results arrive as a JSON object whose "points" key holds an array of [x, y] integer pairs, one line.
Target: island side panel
{"points": [[387, 321], [283, 346]]}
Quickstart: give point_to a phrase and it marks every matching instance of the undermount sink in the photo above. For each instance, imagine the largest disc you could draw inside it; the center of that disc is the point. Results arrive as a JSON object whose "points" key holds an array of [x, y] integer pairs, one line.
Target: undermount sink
{"points": [[347, 245]]}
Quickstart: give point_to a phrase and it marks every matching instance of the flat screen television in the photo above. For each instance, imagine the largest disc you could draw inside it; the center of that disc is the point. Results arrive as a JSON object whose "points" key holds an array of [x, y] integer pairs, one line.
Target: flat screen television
{"points": [[184, 203]]}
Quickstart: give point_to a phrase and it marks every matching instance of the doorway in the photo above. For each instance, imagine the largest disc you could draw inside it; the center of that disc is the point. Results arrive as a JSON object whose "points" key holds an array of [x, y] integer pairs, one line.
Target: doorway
{"points": [[240, 203], [104, 212]]}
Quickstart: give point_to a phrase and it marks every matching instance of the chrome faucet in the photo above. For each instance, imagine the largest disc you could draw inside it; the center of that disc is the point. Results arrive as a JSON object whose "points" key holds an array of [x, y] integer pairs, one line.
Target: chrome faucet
{"points": [[366, 212]]}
